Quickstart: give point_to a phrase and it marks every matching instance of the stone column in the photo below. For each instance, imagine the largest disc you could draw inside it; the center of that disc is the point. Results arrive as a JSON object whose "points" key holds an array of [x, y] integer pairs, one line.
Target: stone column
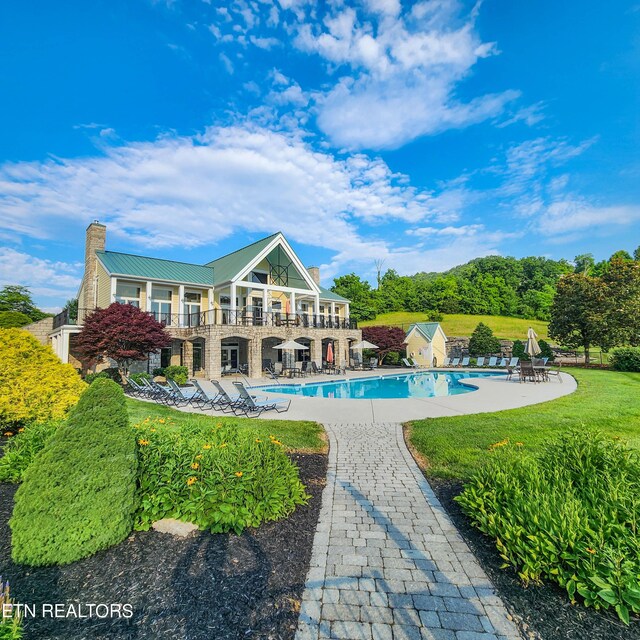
{"points": [[95, 241], [341, 355], [254, 347], [213, 355], [316, 351], [187, 356]]}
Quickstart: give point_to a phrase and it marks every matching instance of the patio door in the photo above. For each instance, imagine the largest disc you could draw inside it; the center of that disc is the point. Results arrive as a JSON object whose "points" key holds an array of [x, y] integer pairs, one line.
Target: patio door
{"points": [[230, 355], [256, 305]]}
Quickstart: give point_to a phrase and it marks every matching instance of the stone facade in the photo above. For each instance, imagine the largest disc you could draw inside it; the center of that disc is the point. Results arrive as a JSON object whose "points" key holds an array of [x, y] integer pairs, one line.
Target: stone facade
{"points": [[41, 330], [95, 241], [459, 347]]}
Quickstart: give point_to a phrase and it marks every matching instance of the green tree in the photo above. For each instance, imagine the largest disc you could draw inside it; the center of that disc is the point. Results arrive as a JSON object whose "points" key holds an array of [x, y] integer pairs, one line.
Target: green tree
{"points": [[483, 341], [620, 255], [517, 351], [359, 292], [13, 319], [579, 314], [16, 298], [622, 283], [636, 254], [584, 263], [72, 307]]}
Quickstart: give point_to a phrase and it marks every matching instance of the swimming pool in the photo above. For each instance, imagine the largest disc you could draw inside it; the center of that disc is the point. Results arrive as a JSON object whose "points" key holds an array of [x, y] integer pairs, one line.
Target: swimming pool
{"points": [[418, 384]]}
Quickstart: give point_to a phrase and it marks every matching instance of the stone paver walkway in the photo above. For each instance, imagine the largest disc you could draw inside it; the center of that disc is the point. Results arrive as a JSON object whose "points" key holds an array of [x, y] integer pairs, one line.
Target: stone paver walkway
{"points": [[387, 562]]}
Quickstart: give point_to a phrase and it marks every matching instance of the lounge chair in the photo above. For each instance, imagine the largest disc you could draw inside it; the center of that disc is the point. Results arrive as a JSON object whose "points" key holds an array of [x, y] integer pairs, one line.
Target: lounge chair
{"points": [[183, 396], [204, 398], [226, 402], [136, 390], [492, 361], [465, 361], [249, 406], [480, 361], [503, 363], [455, 362], [305, 369], [373, 363], [514, 362], [314, 368], [446, 361], [160, 393]]}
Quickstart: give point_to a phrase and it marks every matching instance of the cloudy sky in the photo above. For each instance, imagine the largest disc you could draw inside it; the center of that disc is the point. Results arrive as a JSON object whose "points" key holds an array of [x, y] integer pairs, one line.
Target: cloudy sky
{"points": [[424, 134]]}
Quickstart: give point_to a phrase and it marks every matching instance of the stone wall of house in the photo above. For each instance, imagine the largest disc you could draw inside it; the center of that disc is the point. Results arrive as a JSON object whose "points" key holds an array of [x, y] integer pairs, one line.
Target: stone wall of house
{"points": [[41, 329], [459, 347]]}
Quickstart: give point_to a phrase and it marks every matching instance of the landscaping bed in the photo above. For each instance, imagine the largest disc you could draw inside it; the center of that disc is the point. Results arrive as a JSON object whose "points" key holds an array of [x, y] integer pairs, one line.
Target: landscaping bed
{"points": [[219, 586], [545, 610]]}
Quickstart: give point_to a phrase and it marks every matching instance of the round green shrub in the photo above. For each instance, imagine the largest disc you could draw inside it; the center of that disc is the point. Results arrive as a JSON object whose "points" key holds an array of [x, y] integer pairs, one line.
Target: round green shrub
{"points": [[220, 479], [625, 359], [78, 496], [177, 373]]}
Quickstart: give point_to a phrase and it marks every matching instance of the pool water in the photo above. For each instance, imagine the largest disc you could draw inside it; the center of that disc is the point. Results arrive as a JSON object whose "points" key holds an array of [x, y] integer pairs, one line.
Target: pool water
{"points": [[422, 384]]}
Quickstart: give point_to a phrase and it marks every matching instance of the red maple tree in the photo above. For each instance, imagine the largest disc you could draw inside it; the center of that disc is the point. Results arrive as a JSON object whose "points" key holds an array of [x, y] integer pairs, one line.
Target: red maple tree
{"points": [[122, 333], [386, 338]]}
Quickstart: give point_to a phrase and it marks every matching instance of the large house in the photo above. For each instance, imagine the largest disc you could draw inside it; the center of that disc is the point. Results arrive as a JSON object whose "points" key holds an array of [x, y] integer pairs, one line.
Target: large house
{"points": [[230, 312]]}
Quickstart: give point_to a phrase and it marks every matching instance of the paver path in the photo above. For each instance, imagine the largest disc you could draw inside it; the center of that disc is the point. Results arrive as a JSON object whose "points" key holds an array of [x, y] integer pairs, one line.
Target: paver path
{"points": [[387, 562]]}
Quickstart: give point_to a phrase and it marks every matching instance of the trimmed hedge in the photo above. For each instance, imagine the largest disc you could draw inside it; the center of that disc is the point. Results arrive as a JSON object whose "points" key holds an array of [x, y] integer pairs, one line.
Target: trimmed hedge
{"points": [[625, 359], [79, 494]]}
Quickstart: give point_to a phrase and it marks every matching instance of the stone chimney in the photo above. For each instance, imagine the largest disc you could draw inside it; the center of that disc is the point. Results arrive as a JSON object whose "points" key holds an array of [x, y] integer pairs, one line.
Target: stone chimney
{"points": [[314, 272], [95, 241]]}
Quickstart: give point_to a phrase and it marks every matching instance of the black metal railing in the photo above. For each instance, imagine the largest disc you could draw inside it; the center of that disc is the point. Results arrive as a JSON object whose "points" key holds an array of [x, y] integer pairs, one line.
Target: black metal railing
{"points": [[246, 317]]}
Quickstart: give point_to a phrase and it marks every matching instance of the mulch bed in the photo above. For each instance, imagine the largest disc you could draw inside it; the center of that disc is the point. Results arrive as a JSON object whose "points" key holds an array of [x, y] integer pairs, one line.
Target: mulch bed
{"points": [[202, 587], [541, 611]]}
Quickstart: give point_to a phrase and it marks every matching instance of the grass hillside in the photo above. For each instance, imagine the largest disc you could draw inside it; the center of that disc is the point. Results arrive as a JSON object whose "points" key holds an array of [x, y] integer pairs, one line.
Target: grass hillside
{"points": [[455, 325]]}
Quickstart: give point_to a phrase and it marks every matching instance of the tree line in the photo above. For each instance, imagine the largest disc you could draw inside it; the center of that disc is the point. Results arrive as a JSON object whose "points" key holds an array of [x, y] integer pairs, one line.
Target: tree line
{"points": [[494, 285]]}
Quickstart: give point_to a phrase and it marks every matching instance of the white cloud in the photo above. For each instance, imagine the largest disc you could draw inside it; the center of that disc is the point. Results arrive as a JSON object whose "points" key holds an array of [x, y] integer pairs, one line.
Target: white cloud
{"points": [[572, 216], [226, 61], [45, 278]]}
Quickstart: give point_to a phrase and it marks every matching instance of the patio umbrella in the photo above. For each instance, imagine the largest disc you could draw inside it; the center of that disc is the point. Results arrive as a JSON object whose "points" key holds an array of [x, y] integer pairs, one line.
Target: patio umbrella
{"points": [[364, 344], [532, 348], [330, 352], [287, 306], [291, 345]]}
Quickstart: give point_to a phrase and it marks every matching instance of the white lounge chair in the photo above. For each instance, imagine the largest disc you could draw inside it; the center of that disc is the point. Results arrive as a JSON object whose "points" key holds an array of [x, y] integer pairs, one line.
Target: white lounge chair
{"points": [[480, 361], [465, 361]]}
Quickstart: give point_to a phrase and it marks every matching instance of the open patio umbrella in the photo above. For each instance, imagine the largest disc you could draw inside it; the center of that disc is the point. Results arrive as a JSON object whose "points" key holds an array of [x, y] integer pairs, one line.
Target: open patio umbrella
{"points": [[532, 348], [291, 345], [364, 344]]}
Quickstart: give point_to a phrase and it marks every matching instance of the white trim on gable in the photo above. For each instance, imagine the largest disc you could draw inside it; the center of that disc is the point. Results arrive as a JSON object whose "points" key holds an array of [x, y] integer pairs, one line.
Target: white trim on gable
{"points": [[279, 239], [416, 328]]}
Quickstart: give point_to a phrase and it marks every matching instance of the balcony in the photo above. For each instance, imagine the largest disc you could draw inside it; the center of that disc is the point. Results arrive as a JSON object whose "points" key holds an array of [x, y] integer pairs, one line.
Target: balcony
{"points": [[248, 317]]}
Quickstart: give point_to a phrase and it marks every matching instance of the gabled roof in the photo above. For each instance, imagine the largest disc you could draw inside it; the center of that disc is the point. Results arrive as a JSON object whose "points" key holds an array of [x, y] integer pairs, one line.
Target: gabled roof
{"points": [[227, 267], [427, 329], [326, 294], [155, 268]]}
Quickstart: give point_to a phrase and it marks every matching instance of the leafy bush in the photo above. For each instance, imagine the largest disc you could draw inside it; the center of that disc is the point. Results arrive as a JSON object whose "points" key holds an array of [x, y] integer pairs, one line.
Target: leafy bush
{"points": [[177, 373], [625, 359], [78, 496], [11, 319], [569, 514], [482, 341], [22, 449], [36, 386], [139, 377], [392, 358], [10, 618], [158, 371], [111, 373], [545, 350], [219, 478]]}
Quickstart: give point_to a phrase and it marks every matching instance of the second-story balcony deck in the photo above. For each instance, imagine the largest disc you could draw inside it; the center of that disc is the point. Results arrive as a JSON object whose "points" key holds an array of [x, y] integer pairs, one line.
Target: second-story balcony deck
{"points": [[246, 317]]}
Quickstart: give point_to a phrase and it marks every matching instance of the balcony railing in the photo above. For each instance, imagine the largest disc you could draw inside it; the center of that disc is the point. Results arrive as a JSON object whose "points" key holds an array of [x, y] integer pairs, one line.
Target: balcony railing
{"points": [[248, 317]]}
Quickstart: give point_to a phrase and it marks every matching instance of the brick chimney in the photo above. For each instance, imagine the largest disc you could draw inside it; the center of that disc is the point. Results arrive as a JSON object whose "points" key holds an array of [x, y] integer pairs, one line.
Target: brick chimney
{"points": [[96, 239], [314, 272]]}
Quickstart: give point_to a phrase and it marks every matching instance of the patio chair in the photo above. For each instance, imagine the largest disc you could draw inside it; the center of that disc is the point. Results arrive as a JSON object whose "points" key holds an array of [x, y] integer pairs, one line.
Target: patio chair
{"points": [[492, 361], [183, 396], [160, 393], [455, 362], [204, 398], [225, 402], [510, 371], [373, 363], [446, 361], [407, 363], [249, 406], [503, 363], [514, 362], [465, 361], [527, 372], [305, 369], [555, 373], [277, 368], [135, 389], [480, 361], [314, 368], [272, 373]]}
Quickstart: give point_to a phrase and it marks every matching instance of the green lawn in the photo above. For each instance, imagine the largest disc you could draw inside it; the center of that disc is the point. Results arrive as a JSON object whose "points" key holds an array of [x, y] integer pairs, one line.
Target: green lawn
{"points": [[607, 400], [295, 435], [456, 325]]}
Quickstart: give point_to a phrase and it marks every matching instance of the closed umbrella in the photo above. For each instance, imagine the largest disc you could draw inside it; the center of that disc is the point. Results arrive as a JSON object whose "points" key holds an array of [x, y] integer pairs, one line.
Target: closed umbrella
{"points": [[330, 353], [532, 348]]}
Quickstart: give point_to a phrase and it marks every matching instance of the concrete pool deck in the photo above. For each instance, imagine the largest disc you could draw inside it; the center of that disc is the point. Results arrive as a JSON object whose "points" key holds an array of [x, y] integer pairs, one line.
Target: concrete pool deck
{"points": [[492, 394]]}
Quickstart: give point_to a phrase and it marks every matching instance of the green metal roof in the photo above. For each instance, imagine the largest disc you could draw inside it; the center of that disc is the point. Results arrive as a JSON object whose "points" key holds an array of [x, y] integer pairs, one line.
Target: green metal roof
{"points": [[156, 268], [427, 329], [326, 294], [227, 267]]}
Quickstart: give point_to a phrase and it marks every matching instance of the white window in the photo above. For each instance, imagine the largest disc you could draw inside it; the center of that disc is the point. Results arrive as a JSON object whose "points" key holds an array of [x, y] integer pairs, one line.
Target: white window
{"points": [[128, 294], [161, 304], [192, 304]]}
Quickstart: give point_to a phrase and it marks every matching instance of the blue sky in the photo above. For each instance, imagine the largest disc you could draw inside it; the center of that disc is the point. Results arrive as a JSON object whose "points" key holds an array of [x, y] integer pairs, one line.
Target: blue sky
{"points": [[424, 134]]}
